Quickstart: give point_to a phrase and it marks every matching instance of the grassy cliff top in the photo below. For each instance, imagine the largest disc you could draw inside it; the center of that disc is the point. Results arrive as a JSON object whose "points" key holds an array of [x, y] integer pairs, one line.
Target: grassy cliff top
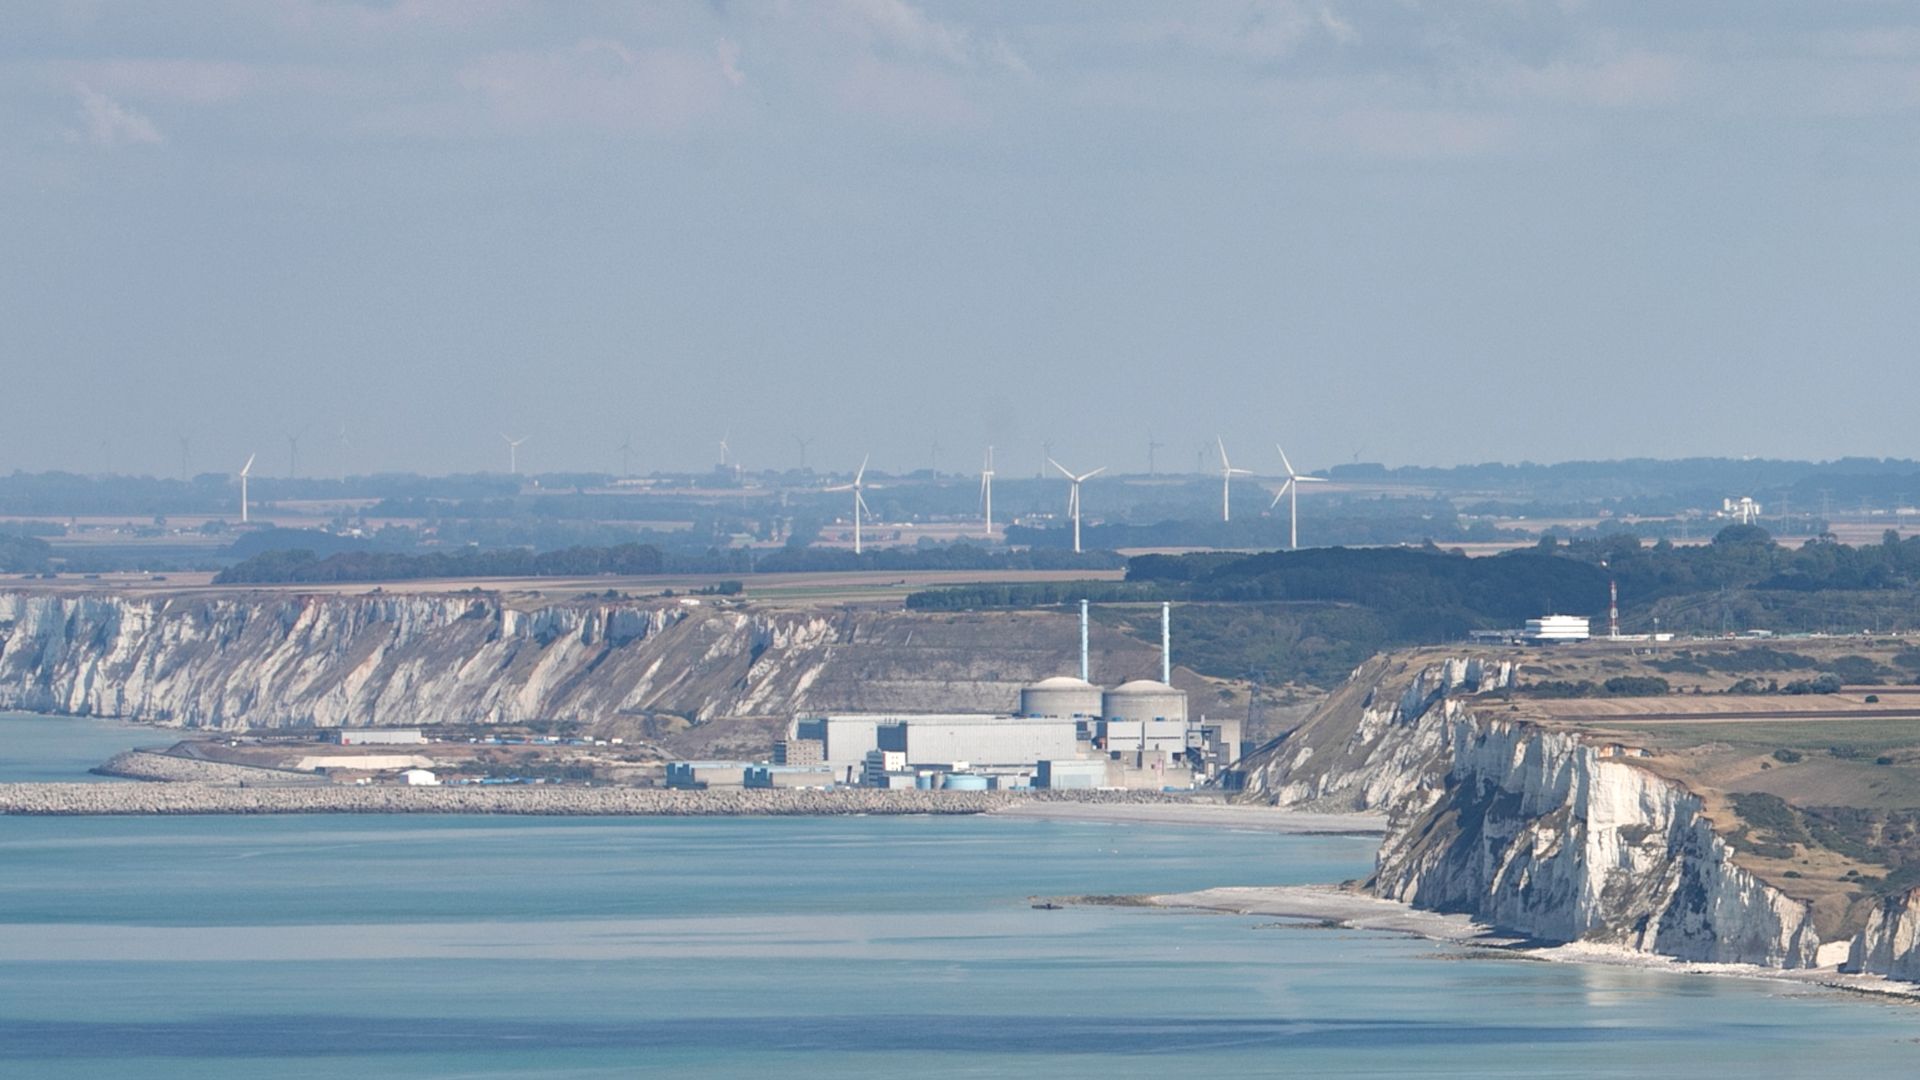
{"points": [[1806, 751]]}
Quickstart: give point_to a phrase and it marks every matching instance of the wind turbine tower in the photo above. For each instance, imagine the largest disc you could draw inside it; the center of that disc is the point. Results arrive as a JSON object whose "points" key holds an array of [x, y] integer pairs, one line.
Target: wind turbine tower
{"points": [[1227, 472], [859, 503], [1291, 492], [1073, 496], [513, 453], [986, 491], [245, 470]]}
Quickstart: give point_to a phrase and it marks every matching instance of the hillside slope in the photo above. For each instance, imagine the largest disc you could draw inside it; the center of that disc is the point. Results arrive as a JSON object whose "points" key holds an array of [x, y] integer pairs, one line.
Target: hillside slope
{"points": [[273, 660]]}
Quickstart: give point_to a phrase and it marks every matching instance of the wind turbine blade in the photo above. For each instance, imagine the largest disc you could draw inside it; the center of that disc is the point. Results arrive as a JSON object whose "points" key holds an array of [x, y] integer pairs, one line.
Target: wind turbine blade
{"points": [[863, 470], [1281, 494], [1094, 473], [1064, 471], [1283, 459], [1222, 444], [1312, 479], [248, 467]]}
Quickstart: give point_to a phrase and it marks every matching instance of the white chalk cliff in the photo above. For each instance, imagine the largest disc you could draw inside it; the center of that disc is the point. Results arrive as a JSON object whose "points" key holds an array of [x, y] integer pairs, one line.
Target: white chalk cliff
{"points": [[1529, 829], [277, 659]]}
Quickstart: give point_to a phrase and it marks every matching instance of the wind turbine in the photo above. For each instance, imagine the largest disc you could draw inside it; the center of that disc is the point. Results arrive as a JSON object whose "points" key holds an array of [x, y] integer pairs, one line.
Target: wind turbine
{"points": [[726, 452], [804, 443], [1073, 497], [513, 453], [244, 470], [293, 453], [859, 503], [1291, 492], [1227, 472], [986, 491], [626, 456], [186, 455], [1153, 446]]}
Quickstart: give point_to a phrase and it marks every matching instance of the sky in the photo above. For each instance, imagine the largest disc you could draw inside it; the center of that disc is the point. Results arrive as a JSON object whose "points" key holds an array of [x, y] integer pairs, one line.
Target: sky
{"points": [[1396, 231]]}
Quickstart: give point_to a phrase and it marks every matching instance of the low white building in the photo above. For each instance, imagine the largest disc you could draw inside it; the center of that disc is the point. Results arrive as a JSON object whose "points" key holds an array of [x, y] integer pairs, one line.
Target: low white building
{"points": [[379, 737], [1551, 629], [420, 778]]}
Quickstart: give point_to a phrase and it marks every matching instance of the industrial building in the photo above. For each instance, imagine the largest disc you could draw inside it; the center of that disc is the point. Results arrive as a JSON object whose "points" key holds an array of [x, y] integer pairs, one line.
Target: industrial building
{"points": [[1067, 732], [379, 737], [783, 776], [1552, 629], [979, 741], [1061, 697]]}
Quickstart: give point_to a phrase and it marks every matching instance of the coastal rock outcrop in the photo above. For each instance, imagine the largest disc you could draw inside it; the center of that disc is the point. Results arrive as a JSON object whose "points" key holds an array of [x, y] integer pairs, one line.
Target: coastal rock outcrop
{"points": [[1890, 942], [1527, 828]]}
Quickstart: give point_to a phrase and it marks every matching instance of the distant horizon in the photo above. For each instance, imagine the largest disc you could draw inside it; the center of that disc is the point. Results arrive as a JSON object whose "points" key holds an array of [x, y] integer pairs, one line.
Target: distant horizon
{"points": [[264, 472]]}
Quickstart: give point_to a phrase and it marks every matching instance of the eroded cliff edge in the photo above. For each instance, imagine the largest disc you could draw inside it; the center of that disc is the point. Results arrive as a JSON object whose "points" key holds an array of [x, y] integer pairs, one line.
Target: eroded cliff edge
{"points": [[275, 660], [1544, 832]]}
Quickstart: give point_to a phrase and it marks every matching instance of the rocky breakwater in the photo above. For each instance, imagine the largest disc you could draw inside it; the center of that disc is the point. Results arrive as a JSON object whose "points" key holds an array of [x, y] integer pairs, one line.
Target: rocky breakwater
{"points": [[225, 795], [271, 659], [223, 798], [1526, 828], [175, 768]]}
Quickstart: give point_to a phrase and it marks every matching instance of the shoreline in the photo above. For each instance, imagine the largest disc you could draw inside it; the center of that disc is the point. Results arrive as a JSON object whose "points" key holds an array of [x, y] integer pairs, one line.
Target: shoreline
{"points": [[1333, 905], [191, 797], [1207, 814]]}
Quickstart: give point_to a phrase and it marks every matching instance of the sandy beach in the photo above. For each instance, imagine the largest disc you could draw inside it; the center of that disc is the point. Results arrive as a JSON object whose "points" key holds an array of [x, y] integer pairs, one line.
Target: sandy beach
{"points": [[1333, 904]]}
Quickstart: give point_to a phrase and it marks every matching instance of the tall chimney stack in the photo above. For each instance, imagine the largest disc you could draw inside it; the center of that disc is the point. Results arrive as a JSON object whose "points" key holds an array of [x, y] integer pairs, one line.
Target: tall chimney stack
{"points": [[1083, 641], [1166, 642]]}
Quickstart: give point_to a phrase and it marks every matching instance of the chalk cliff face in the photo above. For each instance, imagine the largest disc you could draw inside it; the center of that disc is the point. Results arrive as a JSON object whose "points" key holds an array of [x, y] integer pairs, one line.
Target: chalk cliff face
{"points": [[1525, 828], [1534, 831], [284, 660], [1890, 943]]}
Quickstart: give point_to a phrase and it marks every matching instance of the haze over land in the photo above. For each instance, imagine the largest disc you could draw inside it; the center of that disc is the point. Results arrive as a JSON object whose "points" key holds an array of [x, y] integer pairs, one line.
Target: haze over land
{"points": [[1408, 234]]}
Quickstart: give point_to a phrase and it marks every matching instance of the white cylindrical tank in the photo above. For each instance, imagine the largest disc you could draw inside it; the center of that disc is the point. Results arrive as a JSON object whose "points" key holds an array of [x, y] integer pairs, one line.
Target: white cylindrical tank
{"points": [[1061, 697], [1144, 699]]}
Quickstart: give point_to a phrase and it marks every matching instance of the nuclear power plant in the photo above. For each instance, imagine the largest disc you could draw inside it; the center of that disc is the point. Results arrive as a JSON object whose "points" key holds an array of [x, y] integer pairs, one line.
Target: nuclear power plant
{"points": [[1067, 732]]}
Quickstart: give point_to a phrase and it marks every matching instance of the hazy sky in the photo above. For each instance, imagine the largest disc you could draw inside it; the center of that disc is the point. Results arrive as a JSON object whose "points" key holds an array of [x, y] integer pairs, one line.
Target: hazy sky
{"points": [[1415, 232]]}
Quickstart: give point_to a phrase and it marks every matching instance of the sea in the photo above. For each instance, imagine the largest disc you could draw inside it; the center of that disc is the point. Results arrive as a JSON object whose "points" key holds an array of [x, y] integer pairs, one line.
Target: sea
{"points": [[406, 946]]}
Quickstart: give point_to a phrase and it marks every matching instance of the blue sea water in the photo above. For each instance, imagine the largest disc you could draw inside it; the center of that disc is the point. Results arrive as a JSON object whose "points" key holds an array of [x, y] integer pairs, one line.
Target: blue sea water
{"points": [[47, 749], [852, 947]]}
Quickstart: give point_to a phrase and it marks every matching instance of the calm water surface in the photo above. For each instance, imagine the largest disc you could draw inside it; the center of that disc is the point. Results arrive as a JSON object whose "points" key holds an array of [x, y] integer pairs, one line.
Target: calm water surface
{"points": [[41, 749], [858, 947]]}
